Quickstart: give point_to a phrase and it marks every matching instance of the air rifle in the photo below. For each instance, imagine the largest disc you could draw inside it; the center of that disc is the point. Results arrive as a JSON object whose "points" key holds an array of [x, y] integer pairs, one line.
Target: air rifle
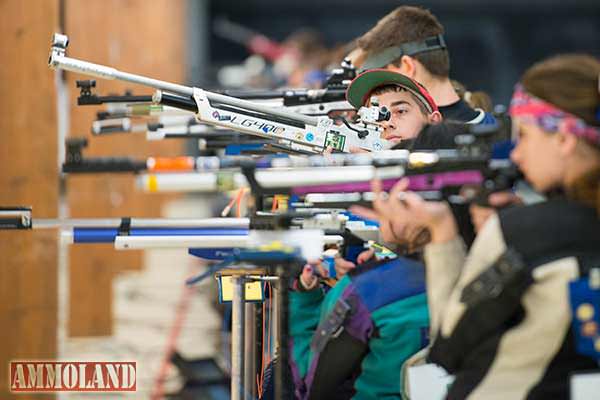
{"points": [[298, 131]]}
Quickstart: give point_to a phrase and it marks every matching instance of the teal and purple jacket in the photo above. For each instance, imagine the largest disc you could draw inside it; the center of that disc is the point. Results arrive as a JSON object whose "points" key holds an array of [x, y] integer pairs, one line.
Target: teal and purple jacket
{"points": [[352, 341]]}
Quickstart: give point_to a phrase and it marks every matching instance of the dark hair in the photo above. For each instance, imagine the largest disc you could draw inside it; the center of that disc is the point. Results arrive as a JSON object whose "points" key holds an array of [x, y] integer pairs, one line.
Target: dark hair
{"points": [[568, 81], [408, 24]]}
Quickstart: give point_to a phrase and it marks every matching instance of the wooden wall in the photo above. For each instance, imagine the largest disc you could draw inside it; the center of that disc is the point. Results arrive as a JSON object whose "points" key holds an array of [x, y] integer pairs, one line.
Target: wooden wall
{"points": [[137, 36], [28, 176]]}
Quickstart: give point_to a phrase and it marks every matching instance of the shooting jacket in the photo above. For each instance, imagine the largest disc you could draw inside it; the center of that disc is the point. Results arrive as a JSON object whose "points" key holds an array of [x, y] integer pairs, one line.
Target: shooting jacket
{"points": [[353, 341], [500, 315]]}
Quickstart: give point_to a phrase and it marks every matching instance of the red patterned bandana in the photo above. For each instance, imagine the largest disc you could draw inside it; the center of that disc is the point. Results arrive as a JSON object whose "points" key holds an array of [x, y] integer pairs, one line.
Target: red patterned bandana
{"points": [[550, 118]]}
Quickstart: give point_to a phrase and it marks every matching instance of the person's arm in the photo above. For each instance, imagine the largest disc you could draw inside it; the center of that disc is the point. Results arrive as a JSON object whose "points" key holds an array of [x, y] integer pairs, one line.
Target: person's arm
{"points": [[306, 298], [449, 271], [304, 316], [480, 214], [444, 262]]}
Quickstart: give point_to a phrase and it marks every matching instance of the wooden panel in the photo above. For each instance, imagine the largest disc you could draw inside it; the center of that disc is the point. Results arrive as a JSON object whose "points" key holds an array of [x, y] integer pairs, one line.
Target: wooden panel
{"points": [[143, 37], [29, 176]]}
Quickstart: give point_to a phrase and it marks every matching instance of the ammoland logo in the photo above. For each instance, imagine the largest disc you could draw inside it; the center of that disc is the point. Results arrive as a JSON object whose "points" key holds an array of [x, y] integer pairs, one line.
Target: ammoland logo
{"points": [[72, 376]]}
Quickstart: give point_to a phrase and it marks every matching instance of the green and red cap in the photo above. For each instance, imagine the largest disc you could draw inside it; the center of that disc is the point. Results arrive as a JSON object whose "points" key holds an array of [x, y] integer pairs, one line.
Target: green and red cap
{"points": [[363, 85]]}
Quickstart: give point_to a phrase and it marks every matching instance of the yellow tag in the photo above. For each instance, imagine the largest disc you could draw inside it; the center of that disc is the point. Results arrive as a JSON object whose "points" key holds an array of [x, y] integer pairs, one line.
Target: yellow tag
{"points": [[282, 202], [597, 344], [585, 312], [254, 290], [276, 246], [152, 183]]}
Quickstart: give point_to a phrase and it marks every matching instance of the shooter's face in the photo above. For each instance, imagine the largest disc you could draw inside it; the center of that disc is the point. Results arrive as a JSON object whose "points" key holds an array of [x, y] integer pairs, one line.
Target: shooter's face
{"points": [[406, 120], [539, 155]]}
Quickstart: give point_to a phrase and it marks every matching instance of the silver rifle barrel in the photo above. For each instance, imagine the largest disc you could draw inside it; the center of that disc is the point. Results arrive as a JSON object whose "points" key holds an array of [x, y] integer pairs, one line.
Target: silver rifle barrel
{"points": [[42, 223], [58, 60]]}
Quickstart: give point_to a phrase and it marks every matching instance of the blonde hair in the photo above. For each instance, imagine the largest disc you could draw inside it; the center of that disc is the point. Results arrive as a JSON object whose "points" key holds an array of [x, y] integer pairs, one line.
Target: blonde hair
{"points": [[478, 99]]}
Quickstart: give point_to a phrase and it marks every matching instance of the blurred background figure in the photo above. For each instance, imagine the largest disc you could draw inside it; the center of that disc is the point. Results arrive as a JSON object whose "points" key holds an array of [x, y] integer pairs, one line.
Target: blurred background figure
{"points": [[478, 99], [486, 39]]}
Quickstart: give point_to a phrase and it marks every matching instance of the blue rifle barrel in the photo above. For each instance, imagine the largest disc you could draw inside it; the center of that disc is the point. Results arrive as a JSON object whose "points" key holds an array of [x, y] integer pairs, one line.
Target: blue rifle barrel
{"points": [[108, 235]]}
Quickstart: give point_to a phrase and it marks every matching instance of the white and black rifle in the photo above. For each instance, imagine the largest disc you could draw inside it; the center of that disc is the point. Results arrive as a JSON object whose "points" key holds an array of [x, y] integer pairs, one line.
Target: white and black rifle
{"points": [[296, 131]]}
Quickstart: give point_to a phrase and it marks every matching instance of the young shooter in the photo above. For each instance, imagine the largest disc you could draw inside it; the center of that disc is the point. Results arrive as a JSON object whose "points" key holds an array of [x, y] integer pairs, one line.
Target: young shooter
{"points": [[410, 40], [411, 107], [352, 362]]}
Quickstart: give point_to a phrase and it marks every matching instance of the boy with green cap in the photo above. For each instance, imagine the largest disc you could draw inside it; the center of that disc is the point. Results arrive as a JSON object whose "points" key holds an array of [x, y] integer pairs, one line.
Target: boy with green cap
{"points": [[348, 354], [411, 106]]}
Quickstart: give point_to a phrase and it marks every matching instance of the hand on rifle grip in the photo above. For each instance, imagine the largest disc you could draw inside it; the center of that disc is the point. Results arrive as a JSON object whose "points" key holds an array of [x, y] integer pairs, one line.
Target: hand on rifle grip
{"points": [[494, 201]]}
